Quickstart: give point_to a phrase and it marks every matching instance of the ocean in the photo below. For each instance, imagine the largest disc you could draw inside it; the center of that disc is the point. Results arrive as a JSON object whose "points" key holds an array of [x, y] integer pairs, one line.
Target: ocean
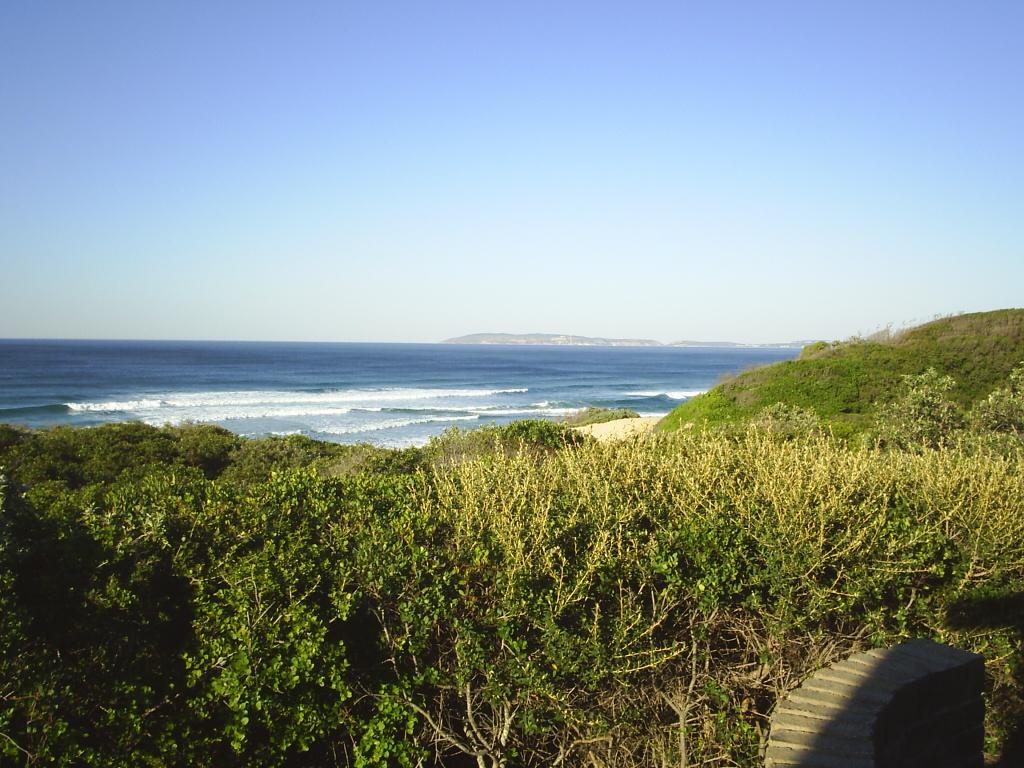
{"points": [[385, 394]]}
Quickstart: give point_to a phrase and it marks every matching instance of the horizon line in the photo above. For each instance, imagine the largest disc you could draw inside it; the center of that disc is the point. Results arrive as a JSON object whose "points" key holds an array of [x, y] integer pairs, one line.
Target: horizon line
{"points": [[444, 342]]}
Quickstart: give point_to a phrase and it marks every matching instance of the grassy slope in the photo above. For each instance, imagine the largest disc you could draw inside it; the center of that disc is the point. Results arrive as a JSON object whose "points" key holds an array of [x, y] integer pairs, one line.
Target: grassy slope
{"points": [[843, 383]]}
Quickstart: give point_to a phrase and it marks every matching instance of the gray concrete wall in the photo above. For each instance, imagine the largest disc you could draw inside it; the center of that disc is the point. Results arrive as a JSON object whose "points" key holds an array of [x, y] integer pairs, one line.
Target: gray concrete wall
{"points": [[913, 705]]}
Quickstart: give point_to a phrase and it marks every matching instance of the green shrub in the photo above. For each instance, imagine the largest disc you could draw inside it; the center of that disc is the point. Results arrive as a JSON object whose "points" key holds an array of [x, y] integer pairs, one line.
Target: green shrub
{"points": [[267, 672], [787, 421], [922, 415], [1003, 410], [205, 446], [253, 461], [94, 620], [814, 348], [351, 460], [10, 436], [530, 435]]}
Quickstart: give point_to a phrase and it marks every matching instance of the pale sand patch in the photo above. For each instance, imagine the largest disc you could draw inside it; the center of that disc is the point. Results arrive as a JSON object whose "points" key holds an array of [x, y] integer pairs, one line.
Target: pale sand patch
{"points": [[620, 428]]}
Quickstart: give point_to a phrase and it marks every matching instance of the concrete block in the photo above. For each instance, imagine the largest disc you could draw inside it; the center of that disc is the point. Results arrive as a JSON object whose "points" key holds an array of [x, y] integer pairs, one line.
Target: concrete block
{"points": [[914, 704]]}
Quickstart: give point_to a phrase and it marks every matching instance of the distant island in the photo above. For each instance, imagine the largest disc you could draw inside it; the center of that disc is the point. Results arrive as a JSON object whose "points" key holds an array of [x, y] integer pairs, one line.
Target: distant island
{"points": [[571, 340]]}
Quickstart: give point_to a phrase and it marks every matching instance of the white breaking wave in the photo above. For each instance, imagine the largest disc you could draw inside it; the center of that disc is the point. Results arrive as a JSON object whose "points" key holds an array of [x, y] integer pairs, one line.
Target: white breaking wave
{"points": [[406, 442], [260, 398], [392, 424], [491, 411], [679, 394], [179, 415], [122, 405]]}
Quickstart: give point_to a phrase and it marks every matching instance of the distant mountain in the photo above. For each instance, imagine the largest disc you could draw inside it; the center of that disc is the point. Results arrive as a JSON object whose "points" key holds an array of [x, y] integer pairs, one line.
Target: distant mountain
{"points": [[559, 339]]}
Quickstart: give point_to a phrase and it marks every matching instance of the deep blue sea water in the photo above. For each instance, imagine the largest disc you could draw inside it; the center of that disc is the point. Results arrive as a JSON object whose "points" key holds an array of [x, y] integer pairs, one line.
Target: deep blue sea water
{"points": [[388, 394]]}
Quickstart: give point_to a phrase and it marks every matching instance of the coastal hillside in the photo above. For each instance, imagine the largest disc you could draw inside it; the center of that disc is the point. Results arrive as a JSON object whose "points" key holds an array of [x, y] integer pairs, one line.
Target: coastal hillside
{"points": [[844, 383]]}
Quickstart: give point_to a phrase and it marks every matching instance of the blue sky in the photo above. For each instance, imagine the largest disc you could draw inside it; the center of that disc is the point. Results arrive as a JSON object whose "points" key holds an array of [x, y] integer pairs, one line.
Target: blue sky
{"points": [[387, 171]]}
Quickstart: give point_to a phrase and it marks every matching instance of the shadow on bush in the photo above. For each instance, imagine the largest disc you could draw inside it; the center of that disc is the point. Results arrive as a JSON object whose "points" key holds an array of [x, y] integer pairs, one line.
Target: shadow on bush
{"points": [[993, 609]]}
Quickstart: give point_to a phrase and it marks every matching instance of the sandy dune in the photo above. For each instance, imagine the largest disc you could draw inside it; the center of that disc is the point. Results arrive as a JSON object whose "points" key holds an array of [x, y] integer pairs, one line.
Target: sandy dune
{"points": [[620, 428]]}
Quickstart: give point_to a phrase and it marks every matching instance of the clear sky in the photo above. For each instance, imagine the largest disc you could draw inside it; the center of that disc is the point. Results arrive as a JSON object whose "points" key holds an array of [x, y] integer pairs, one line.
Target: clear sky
{"points": [[385, 171]]}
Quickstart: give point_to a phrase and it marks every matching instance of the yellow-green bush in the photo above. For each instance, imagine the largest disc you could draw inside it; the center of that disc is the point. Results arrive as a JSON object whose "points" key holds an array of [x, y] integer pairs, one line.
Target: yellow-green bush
{"points": [[578, 606]]}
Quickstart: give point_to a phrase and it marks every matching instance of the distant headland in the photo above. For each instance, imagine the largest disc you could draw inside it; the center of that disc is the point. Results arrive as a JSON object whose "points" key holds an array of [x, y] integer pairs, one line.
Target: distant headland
{"points": [[571, 340]]}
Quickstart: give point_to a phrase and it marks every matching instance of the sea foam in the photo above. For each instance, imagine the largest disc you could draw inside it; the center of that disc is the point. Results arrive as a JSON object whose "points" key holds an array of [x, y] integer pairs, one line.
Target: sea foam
{"points": [[678, 394], [391, 424], [115, 406]]}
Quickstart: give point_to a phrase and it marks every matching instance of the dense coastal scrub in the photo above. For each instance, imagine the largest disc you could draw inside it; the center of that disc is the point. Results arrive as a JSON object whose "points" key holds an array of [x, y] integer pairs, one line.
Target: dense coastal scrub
{"points": [[516, 596]]}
